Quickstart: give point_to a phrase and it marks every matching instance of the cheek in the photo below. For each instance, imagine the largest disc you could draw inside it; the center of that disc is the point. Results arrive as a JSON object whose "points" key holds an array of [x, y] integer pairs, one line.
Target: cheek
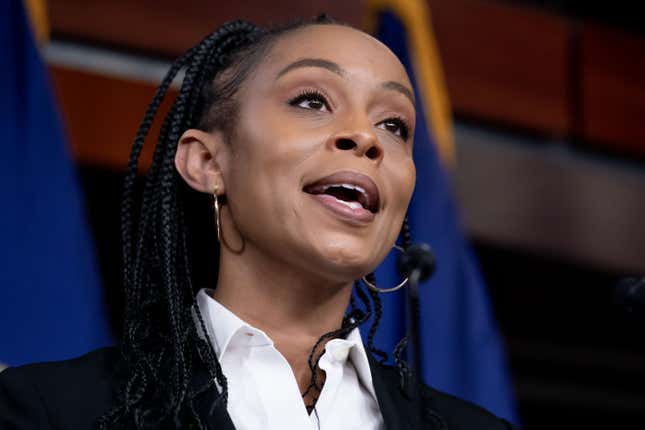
{"points": [[402, 175], [265, 171], [402, 182]]}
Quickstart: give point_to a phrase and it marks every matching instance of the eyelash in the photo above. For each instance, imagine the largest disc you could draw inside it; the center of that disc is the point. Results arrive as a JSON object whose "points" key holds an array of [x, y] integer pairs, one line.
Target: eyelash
{"points": [[309, 95], [404, 128]]}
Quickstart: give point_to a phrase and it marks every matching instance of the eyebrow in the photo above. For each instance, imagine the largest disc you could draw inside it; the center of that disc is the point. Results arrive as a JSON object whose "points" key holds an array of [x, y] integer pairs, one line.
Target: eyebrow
{"points": [[335, 68], [313, 62], [393, 85]]}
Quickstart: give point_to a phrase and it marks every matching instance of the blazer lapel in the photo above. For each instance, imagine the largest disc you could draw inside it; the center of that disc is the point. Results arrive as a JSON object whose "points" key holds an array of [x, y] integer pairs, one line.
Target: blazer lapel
{"points": [[210, 408], [212, 412], [398, 407]]}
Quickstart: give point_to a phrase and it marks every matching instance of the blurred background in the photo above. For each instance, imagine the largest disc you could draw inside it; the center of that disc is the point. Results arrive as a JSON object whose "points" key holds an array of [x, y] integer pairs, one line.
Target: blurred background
{"points": [[548, 104]]}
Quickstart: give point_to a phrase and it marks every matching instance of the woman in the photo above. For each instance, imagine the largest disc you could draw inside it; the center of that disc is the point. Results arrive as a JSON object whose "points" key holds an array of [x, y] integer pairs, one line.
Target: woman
{"points": [[301, 139]]}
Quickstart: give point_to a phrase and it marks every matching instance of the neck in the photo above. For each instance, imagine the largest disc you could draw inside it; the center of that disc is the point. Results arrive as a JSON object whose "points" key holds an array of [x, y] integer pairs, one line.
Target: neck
{"points": [[293, 308]]}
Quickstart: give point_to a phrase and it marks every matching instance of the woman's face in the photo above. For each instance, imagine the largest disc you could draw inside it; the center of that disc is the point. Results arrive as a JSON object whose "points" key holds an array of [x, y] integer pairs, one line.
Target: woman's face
{"points": [[320, 169]]}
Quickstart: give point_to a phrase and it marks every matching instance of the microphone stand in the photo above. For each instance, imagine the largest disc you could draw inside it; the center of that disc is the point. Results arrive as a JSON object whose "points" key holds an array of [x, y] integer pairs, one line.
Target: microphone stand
{"points": [[412, 318], [417, 263]]}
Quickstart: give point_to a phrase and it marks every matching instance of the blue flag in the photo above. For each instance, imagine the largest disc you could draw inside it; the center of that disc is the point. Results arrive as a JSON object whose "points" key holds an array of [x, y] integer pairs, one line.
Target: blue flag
{"points": [[462, 352], [51, 302]]}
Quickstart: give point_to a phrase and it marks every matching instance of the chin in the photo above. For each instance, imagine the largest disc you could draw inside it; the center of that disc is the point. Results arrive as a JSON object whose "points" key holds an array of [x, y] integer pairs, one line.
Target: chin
{"points": [[348, 260]]}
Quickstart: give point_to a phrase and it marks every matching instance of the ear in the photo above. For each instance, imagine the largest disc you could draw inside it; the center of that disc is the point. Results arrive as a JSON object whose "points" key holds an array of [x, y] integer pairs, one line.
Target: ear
{"points": [[199, 160]]}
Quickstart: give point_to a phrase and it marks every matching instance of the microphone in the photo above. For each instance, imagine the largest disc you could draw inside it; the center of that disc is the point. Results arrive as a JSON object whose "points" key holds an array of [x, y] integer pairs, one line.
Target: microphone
{"points": [[629, 294], [418, 257]]}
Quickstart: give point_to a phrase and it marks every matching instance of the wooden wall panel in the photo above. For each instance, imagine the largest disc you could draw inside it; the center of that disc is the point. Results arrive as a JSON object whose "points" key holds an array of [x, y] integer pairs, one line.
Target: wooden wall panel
{"points": [[102, 114], [170, 26], [613, 81], [506, 63]]}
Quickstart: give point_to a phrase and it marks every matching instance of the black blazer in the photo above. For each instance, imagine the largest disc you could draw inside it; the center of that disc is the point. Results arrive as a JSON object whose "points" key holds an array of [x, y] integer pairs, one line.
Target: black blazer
{"points": [[73, 394]]}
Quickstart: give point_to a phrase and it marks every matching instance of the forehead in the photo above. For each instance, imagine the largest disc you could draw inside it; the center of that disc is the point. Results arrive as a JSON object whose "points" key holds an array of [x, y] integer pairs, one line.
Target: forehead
{"points": [[353, 50]]}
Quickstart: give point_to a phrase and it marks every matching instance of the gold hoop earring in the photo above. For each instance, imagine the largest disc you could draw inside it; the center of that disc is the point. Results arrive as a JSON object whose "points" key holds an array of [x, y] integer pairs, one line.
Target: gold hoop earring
{"points": [[220, 232], [386, 290], [216, 213]]}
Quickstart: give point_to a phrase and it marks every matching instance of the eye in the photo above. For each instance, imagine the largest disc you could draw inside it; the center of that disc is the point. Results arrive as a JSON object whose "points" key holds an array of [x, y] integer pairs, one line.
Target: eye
{"points": [[396, 126], [311, 99]]}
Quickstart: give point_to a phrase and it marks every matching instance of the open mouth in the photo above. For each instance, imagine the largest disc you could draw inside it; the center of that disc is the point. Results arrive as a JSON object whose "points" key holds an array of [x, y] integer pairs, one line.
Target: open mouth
{"points": [[353, 190]]}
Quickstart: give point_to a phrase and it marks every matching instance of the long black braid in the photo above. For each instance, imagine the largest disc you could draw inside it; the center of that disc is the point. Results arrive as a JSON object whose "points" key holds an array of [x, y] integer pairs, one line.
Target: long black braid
{"points": [[165, 342]]}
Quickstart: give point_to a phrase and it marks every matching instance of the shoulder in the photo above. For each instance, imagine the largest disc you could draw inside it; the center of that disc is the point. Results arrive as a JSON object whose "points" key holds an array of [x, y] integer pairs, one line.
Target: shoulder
{"points": [[99, 362], [67, 377], [66, 394], [445, 411]]}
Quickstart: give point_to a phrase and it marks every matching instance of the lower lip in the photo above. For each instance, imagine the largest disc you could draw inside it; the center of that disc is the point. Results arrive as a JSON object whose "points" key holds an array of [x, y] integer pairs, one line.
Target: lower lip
{"points": [[358, 215]]}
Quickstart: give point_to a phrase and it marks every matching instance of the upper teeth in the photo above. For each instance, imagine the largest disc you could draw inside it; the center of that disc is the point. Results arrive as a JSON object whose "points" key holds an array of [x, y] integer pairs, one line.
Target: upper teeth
{"points": [[349, 187]]}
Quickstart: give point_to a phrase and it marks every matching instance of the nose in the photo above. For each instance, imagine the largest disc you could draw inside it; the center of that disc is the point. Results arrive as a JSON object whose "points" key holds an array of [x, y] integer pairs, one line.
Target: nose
{"points": [[363, 143]]}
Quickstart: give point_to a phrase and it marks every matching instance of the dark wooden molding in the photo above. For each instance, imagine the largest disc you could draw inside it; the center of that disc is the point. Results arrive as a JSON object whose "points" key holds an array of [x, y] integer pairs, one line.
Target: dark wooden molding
{"points": [[506, 64], [102, 114], [169, 27], [613, 89]]}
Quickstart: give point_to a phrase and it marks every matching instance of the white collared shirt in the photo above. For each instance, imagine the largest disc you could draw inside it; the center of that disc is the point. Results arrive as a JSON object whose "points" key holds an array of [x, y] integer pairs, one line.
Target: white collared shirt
{"points": [[263, 392]]}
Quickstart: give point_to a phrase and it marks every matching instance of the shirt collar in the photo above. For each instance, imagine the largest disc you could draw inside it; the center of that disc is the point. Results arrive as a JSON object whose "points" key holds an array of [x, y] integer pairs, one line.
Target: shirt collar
{"points": [[226, 329], [358, 355]]}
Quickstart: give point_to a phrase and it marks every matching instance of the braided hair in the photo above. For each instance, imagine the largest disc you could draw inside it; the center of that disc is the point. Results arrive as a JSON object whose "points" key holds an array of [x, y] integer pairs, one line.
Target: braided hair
{"points": [[165, 342]]}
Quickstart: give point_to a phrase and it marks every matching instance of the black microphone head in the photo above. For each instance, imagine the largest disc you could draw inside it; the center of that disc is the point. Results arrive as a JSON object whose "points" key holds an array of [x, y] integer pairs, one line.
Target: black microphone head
{"points": [[418, 257]]}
